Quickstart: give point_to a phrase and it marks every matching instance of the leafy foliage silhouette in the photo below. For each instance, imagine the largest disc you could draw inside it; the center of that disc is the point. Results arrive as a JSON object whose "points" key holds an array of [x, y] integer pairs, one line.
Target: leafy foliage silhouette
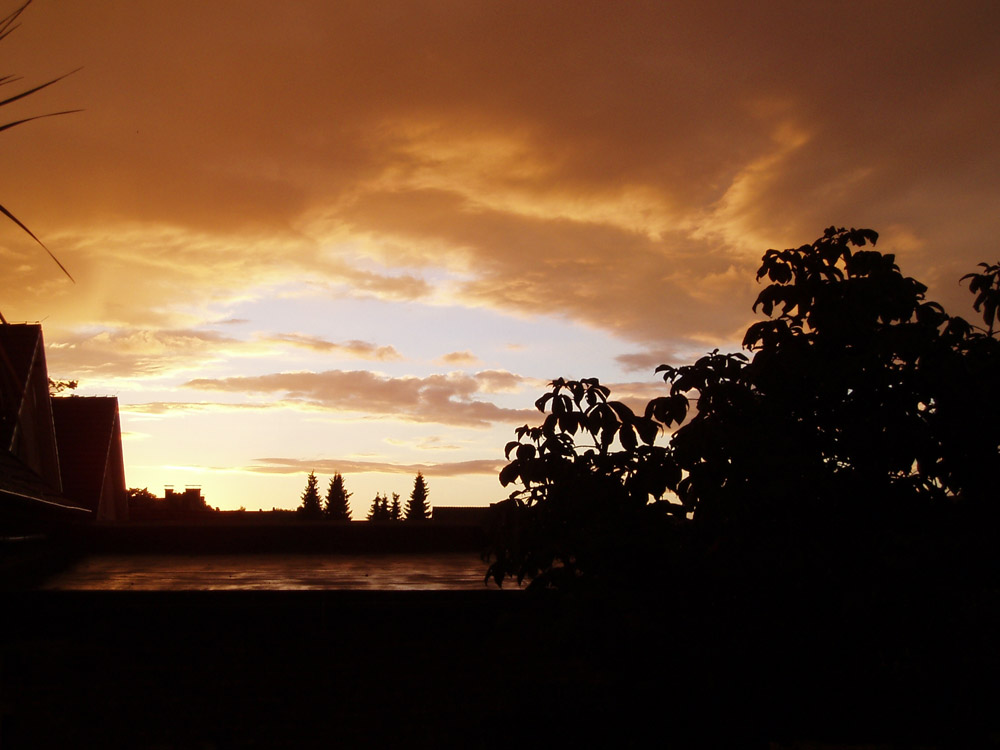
{"points": [[863, 407], [58, 386], [582, 506], [140, 498], [986, 287]]}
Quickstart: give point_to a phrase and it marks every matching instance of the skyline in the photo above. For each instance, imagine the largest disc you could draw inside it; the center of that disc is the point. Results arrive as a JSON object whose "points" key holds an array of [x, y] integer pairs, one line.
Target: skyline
{"points": [[361, 239]]}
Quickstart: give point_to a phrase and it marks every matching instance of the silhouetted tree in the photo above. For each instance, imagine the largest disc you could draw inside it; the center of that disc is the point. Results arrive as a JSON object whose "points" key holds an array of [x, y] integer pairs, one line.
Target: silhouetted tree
{"points": [[417, 508], [140, 499], [872, 393], [395, 510], [58, 386], [337, 506], [582, 513], [310, 508], [864, 406], [379, 510]]}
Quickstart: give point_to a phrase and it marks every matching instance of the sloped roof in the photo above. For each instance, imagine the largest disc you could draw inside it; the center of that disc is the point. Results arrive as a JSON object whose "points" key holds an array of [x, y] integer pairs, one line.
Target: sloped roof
{"points": [[19, 347], [86, 435], [27, 432], [18, 479]]}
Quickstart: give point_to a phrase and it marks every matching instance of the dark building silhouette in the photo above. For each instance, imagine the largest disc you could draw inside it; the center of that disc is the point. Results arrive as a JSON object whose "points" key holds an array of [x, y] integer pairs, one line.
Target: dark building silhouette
{"points": [[175, 505], [60, 458], [190, 499], [27, 432], [89, 439]]}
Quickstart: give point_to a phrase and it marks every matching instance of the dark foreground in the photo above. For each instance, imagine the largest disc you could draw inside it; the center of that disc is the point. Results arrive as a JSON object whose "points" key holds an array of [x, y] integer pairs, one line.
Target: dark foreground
{"points": [[462, 669], [914, 662]]}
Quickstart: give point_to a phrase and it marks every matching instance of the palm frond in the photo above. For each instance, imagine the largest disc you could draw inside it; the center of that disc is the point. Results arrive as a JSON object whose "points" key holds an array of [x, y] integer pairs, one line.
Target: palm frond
{"points": [[5, 126], [7, 24], [39, 87], [17, 221]]}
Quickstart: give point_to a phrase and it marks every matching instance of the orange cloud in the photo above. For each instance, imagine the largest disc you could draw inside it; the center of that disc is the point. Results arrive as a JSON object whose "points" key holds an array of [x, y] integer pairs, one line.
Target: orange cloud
{"points": [[620, 167], [443, 399], [462, 359], [141, 352], [126, 353], [353, 348], [498, 381]]}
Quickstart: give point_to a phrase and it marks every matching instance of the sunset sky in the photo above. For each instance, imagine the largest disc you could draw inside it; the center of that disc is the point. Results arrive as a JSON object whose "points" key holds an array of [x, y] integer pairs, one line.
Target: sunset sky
{"points": [[361, 236]]}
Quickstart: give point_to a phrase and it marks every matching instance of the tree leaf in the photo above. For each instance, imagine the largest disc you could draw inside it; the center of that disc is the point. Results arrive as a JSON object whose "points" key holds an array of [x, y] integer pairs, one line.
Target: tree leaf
{"points": [[525, 452], [509, 473]]}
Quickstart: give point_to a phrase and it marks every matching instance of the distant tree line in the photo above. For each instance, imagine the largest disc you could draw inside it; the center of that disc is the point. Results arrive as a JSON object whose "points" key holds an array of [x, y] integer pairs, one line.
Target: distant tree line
{"points": [[336, 506]]}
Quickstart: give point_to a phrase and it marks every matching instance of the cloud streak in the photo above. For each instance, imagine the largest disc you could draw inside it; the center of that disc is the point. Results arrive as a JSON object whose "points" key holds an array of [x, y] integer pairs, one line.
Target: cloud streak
{"points": [[353, 348], [352, 466], [441, 399], [150, 353], [125, 353]]}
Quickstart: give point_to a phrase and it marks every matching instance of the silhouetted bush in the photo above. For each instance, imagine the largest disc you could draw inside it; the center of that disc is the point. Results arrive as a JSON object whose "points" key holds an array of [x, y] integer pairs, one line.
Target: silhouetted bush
{"points": [[863, 422]]}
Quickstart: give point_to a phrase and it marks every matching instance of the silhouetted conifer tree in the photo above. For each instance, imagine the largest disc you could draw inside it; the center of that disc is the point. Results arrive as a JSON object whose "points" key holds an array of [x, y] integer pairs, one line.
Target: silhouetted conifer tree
{"points": [[337, 506], [379, 510], [417, 508], [395, 510], [310, 508]]}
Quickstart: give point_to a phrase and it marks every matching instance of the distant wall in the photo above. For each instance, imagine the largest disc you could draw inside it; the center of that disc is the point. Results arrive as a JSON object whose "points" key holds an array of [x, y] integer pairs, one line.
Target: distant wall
{"points": [[461, 515], [219, 536]]}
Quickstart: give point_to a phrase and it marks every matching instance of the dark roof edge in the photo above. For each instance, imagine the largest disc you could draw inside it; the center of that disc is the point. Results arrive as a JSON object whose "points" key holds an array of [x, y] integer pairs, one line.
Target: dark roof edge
{"points": [[51, 505]]}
